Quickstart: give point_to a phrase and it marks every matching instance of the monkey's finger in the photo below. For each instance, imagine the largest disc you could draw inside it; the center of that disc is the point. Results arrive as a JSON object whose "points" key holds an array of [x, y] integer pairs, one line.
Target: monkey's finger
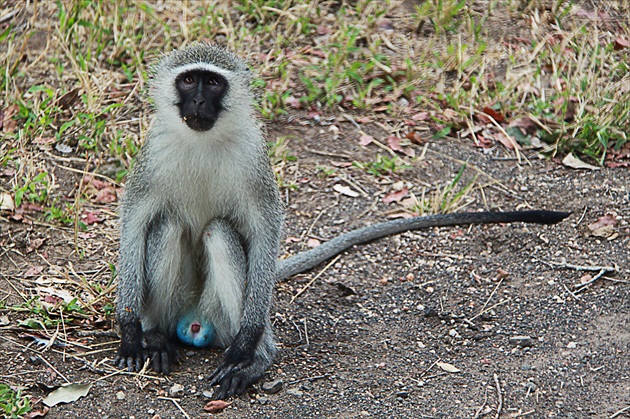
{"points": [[228, 388], [155, 361], [130, 364], [166, 365], [138, 363]]}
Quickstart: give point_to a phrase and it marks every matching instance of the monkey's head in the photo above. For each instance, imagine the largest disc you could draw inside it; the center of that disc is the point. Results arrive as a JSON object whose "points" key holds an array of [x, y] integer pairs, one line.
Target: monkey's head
{"points": [[200, 82]]}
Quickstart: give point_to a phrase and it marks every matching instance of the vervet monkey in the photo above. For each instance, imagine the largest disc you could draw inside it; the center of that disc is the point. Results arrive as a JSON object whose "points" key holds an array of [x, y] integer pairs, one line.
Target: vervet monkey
{"points": [[201, 220]]}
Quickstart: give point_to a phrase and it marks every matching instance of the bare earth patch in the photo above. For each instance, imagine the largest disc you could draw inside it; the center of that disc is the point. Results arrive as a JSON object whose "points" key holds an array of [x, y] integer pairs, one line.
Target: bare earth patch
{"points": [[365, 336]]}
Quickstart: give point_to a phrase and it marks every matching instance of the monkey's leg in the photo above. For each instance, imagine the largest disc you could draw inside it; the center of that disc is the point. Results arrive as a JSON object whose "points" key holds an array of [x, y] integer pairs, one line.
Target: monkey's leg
{"points": [[222, 303], [224, 264]]}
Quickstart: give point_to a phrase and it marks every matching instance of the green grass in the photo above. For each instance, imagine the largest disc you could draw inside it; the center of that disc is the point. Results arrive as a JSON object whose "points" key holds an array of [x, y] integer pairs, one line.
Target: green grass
{"points": [[13, 404]]}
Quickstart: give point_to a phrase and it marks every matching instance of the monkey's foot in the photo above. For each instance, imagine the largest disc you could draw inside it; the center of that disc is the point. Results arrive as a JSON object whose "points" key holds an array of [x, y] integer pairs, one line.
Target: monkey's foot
{"points": [[160, 350], [235, 379], [131, 353], [243, 366]]}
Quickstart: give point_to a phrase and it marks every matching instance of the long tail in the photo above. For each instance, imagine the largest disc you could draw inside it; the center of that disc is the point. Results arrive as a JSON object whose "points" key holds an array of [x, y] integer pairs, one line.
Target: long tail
{"points": [[307, 260]]}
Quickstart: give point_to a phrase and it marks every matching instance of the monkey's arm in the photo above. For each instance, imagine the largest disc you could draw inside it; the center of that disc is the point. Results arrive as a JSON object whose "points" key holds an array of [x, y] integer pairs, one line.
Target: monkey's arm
{"points": [[307, 260], [130, 295]]}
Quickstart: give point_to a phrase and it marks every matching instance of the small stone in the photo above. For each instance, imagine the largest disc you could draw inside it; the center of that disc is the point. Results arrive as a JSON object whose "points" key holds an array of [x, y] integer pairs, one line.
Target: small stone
{"points": [[522, 341], [453, 333], [263, 400], [571, 345], [295, 392], [120, 395], [526, 367], [272, 387], [207, 393], [175, 390], [402, 394]]}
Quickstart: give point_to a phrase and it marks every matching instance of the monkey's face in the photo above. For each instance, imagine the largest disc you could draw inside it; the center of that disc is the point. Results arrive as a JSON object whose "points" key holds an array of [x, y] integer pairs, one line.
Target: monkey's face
{"points": [[200, 94]]}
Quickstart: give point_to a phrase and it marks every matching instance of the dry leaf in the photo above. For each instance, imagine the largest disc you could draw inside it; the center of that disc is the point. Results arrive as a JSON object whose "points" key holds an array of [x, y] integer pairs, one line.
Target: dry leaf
{"points": [[6, 202], [365, 139], [621, 43], [216, 406], [447, 367], [313, 243], [395, 196], [67, 394], [494, 114], [604, 226], [571, 161], [344, 190]]}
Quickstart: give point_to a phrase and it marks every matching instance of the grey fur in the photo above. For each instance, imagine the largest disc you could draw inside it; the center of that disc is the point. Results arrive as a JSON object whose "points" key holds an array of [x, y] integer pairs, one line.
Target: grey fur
{"points": [[189, 192]]}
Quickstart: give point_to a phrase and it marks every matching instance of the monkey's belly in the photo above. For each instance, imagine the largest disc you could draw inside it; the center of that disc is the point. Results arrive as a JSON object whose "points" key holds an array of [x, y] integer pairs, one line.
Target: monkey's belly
{"points": [[193, 330]]}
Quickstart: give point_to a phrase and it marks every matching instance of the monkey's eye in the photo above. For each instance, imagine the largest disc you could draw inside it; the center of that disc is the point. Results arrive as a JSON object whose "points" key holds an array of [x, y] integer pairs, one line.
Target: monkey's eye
{"points": [[189, 80], [212, 81]]}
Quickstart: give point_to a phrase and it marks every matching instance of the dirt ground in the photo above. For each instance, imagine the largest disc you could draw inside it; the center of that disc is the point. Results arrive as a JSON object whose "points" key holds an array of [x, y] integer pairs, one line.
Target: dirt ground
{"points": [[368, 334]]}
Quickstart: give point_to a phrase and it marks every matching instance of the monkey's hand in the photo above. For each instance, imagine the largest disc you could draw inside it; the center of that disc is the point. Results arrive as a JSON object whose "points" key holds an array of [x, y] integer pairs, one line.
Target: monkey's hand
{"points": [[131, 353], [241, 368]]}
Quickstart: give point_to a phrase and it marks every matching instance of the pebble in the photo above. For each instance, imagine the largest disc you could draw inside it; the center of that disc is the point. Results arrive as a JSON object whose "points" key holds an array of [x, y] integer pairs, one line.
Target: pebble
{"points": [[295, 392], [272, 387], [571, 345], [175, 390], [522, 341], [120, 395]]}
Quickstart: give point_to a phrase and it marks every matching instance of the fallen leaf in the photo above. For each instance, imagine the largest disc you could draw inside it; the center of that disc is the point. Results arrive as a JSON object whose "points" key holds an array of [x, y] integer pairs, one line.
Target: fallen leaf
{"points": [[33, 271], [621, 43], [525, 124], [422, 116], [216, 406], [571, 161], [67, 394], [35, 244], [6, 202], [106, 195], [604, 226], [415, 138], [91, 218], [293, 102], [313, 243], [66, 101], [344, 190], [447, 367], [395, 196], [365, 139], [509, 142], [494, 114]]}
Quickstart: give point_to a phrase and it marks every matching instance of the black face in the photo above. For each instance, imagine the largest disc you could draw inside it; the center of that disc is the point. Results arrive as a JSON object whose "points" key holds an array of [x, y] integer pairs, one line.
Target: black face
{"points": [[200, 94]]}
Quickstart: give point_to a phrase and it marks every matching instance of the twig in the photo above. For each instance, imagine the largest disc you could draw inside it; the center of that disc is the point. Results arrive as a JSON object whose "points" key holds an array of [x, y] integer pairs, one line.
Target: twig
{"points": [[582, 217], [176, 403], [580, 267], [332, 262], [485, 400], [614, 415], [323, 153], [489, 298], [499, 395], [491, 307], [583, 286]]}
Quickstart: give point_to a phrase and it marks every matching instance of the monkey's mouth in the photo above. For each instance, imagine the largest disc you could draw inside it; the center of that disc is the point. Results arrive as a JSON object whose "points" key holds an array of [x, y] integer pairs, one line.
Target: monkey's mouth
{"points": [[198, 122]]}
